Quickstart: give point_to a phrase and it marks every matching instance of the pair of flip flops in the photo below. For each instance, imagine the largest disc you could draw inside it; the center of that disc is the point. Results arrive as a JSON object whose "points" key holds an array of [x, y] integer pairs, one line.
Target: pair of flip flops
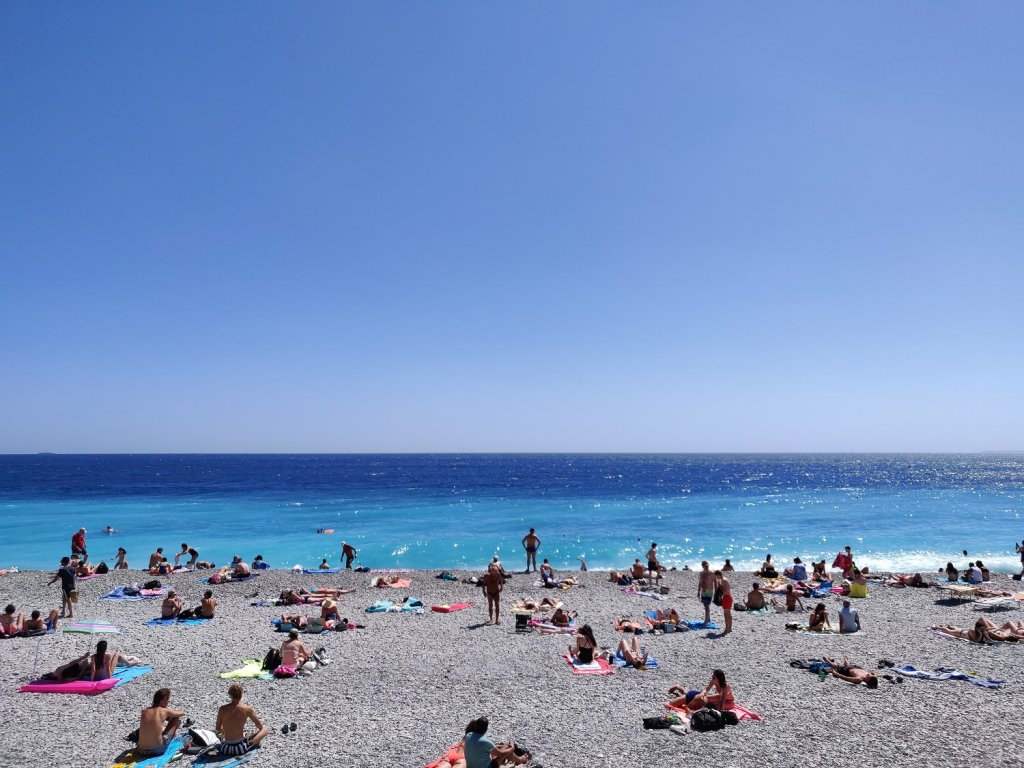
{"points": [[289, 728]]}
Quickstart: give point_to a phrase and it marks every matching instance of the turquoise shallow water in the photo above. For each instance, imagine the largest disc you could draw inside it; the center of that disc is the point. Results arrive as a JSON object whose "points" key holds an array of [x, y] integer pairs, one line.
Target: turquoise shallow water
{"points": [[433, 511]]}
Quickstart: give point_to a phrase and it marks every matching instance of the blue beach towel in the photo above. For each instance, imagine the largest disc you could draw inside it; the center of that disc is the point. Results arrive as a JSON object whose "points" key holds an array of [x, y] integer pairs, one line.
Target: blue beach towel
{"points": [[411, 604], [381, 606], [312, 571], [948, 673], [124, 674], [699, 624], [169, 622], [652, 663], [118, 593]]}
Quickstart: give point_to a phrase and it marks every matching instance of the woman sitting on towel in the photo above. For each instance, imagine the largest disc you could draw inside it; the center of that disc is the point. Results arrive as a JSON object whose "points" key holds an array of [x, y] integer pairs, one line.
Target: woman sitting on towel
{"points": [[11, 624], [716, 694], [583, 651], [818, 619], [819, 573], [768, 569], [171, 606], [329, 611], [103, 664]]}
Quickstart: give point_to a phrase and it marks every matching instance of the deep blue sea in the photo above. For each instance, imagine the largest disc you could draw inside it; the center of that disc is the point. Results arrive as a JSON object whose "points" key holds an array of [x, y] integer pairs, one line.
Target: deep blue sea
{"points": [[905, 512]]}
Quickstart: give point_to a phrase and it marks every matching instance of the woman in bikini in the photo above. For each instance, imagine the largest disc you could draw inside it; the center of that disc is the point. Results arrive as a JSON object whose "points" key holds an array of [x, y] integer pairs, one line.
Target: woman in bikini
{"points": [[103, 664], [583, 651], [628, 625], [818, 619], [122, 559], [631, 653], [10, 623], [716, 694]]}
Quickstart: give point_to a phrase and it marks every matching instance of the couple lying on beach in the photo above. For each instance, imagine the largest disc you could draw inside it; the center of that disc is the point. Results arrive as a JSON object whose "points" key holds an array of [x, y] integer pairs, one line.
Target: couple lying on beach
{"points": [[173, 607], [655, 619], [14, 624], [159, 724], [99, 665], [985, 631]]}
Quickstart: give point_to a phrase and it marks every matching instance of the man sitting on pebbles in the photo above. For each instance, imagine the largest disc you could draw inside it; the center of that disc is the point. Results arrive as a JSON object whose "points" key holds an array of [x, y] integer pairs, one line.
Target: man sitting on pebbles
{"points": [[231, 722]]}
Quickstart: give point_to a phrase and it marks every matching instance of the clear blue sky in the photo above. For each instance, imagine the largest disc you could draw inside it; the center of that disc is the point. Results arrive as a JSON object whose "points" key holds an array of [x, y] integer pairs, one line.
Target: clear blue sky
{"points": [[248, 226]]}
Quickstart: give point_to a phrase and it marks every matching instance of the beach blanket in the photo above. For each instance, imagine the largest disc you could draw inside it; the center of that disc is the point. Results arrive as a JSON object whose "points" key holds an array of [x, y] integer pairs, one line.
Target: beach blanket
{"points": [[129, 760], [596, 667], [742, 713], [401, 584], [760, 612], [169, 622], [312, 571], [948, 673], [699, 624], [644, 593], [86, 687], [380, 606], [806, 631], [992, 603], [229, 580], [412, 604], [450, 608], [309, 629], [118, 593], [652, 663], [252, 669], [386, 570]]}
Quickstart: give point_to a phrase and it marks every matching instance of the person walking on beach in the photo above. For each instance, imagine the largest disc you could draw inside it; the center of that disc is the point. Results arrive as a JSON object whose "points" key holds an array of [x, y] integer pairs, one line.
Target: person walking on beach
{"points": [[723, 584], [231, 720], [653, 566], [348, 552], [706, 589], [68, 592], [493, 582], [158, 725], [78, 546], [531, 543]]}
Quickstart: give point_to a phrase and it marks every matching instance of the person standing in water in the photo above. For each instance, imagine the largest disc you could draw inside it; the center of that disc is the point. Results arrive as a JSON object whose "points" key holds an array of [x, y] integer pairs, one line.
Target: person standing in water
{"points": [[531, 543], [348, 552]]}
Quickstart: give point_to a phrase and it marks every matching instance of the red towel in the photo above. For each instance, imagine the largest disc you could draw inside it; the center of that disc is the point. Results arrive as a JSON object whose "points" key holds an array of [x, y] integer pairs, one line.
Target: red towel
{"points": [[602, 667]]}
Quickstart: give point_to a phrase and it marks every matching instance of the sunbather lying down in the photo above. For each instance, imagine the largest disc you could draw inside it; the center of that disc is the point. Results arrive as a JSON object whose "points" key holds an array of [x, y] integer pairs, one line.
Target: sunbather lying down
{"points": [[630, 652], [905, 580], [851, 673], [985, 631], [529, 605], [304, 596], [629, 625], [384, 581]]}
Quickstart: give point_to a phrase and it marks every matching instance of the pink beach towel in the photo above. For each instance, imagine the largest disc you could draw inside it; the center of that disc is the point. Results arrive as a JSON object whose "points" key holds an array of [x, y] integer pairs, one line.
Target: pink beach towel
{"points": [[596, 667], [84, 687], [450, 608], [401, 584]]}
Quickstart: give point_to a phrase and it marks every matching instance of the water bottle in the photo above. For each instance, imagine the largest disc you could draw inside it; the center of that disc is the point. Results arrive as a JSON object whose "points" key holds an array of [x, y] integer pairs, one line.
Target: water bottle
{"points": [[821, 674]]}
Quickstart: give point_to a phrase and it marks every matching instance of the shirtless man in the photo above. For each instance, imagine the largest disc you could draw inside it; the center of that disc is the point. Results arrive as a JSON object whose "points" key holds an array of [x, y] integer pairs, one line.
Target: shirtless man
{"points": [[158, 725], [852, 673], [755, 598], [156, 558], [293, 653], [653, 566], [349, 553], [637, 569], [240, 570], [37, 624], [706, 589], [531, 543], [723, 583], [171, 606], [207, 606], [231, 720], [492, 584]]}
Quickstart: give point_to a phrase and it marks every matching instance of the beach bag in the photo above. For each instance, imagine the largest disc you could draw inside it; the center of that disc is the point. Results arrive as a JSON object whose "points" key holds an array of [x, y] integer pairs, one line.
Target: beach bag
{"points": [[102, 568], [730, 718], [152, 584], [717, 599], [272, 660], [203, 738], [707, 720], [285, 672]]}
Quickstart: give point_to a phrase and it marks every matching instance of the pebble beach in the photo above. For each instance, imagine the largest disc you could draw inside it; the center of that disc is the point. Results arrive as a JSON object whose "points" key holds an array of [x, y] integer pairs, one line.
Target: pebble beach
{"points": [[400, 691]]}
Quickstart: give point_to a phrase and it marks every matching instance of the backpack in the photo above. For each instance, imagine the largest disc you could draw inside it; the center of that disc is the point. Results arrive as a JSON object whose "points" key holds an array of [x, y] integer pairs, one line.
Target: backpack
{"points": [[102, 568], [717, 599], [272, 660], [152, 584], [706, 720]]}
